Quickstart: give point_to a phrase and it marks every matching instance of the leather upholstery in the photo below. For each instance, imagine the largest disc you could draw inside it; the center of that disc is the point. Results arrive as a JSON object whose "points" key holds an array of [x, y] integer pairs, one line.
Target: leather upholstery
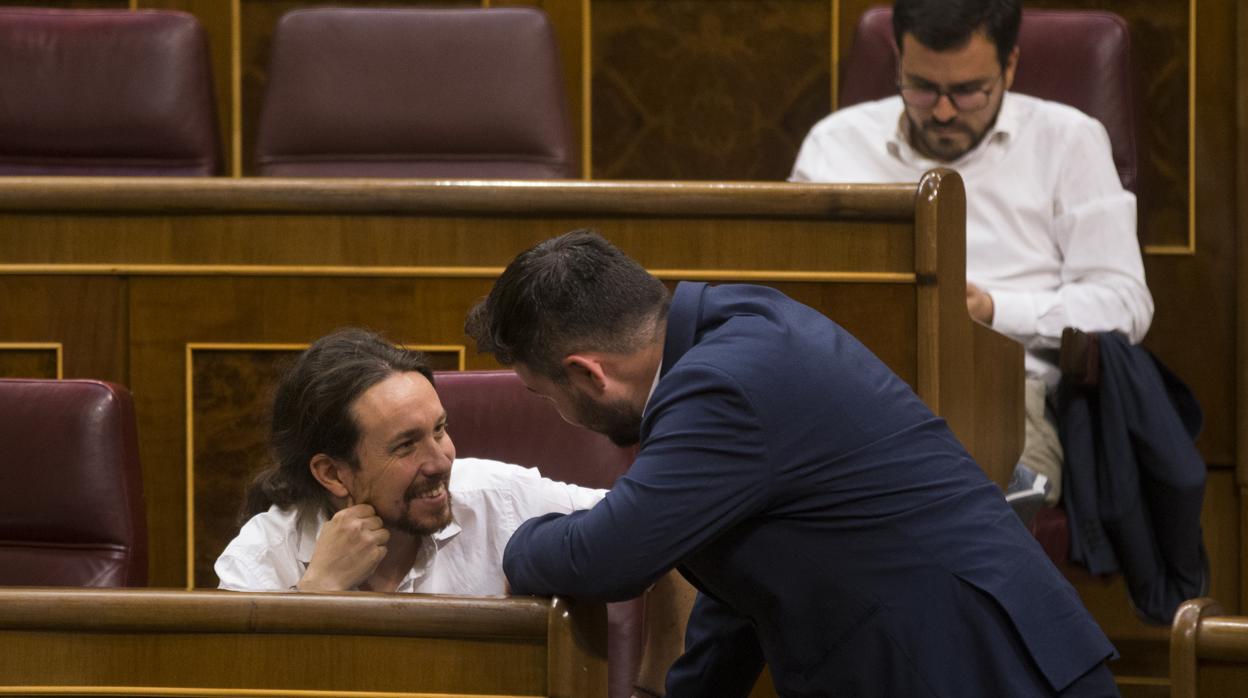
{"points": [[490, 414], [105, 92], [1080, 58], [71, 491], [415, 93]]}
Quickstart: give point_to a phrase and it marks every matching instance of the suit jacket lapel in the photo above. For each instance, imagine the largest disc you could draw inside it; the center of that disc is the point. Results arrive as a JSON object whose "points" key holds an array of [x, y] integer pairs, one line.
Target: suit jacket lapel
{"points": [[682, 322]]}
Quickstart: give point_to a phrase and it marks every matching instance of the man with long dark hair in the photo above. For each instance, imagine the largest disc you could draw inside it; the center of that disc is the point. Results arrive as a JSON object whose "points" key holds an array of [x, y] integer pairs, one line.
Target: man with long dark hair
{"points": [[366, 492]]}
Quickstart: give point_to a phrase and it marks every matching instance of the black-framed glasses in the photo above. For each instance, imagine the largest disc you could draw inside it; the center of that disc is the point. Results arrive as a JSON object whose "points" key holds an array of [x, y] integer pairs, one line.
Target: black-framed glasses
{"points": [[963, 97]]}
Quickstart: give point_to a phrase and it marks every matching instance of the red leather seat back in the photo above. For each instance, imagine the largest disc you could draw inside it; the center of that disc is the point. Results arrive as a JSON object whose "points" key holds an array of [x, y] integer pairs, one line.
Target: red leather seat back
{"points": [[105, 92], [71, 490], [415, 93], [1076, 57], [490, 414]]}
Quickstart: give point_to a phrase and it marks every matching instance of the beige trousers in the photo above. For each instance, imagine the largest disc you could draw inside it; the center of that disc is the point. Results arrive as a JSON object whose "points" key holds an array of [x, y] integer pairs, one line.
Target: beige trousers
{"points": [[1042, 450]]}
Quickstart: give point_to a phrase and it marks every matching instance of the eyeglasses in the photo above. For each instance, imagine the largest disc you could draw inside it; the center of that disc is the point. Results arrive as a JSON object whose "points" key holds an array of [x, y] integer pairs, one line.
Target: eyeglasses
{"points": [[963, 97]]}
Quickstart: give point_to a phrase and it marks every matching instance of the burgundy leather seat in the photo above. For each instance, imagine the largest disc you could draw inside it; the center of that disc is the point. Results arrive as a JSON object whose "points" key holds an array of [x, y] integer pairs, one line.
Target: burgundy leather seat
{"points": [[105, 92], [71, 491], [490, 414], [1081, 58], [415, 93]]}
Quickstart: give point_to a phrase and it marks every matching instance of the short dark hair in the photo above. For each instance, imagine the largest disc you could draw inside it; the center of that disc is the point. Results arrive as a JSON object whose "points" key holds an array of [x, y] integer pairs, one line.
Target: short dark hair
{"points": [[575, 292], [941, 25], [312, 413]]}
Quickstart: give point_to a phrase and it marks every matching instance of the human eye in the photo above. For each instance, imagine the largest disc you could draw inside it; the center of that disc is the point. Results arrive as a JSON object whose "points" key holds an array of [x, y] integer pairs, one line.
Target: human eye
{"points": [[403, 447]]}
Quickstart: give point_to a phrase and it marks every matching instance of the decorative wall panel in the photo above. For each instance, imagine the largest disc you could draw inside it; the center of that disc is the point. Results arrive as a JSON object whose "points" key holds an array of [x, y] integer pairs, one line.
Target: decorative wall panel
{"points": [[30, 360], [684, 89]]}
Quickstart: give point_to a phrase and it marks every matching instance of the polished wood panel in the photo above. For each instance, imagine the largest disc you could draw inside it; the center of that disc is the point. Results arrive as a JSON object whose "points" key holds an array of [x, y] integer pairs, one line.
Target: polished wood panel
{"points": [[29, 361], [346, 644], [84, 315], [1241, 276], [1208, 651], [689, 89]]}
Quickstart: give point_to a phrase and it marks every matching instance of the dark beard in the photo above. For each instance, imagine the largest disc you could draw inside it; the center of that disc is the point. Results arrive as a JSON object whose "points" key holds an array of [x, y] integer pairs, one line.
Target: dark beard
{"points": [[427, 527], [616, 420]]}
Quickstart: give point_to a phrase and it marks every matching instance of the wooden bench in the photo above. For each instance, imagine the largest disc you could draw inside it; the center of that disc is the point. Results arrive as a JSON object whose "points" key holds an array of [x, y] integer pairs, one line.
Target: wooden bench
{"points": [[1208, 651], [194, 292], [363, 645]]}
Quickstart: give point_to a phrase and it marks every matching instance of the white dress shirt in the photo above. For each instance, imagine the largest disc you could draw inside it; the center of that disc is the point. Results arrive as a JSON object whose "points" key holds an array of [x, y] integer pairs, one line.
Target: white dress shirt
{"points": [[489, 501], [1050, 232]]}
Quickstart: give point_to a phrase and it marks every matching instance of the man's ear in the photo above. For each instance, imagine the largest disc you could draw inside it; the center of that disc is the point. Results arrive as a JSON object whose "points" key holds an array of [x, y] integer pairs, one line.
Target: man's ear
{"points": [[585, 372], [329, 472]]}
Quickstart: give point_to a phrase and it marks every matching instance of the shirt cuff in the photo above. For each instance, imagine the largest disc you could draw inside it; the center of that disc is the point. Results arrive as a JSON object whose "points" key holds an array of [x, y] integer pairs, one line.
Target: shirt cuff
{"points": [[1013, 313]]}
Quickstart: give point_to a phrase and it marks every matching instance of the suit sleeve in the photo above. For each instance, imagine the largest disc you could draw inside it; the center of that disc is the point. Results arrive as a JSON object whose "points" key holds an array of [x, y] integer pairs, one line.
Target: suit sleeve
{"points": [[703, 468]]}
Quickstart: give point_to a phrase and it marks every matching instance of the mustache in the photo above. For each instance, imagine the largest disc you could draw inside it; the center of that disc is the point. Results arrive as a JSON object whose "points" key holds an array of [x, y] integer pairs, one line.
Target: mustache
{"points": [[932, 125], [424, 486]]}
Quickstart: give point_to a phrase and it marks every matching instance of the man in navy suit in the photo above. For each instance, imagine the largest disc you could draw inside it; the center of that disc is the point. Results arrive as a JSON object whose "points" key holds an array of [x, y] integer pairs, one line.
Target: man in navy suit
{"points": [[834, 527]]}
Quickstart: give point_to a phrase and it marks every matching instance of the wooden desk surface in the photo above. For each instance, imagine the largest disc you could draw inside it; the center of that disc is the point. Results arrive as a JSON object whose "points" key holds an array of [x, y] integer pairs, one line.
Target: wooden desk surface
{"points": [[201, 643]]}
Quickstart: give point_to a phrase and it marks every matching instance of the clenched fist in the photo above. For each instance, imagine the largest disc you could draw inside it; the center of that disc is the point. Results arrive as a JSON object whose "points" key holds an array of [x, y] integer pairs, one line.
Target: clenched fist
{"points": [[348, 550]]}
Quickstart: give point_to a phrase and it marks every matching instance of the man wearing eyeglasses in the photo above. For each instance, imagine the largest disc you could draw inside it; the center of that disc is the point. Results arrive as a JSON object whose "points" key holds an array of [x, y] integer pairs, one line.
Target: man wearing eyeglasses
{"points": [[1050, 230]]}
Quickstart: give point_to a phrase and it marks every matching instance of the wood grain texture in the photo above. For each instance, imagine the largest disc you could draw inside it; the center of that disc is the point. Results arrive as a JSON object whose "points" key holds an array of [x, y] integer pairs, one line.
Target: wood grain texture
{"points": [[342, 643], [1208, 651], [27, 363], [86, 315], [689, 89]]}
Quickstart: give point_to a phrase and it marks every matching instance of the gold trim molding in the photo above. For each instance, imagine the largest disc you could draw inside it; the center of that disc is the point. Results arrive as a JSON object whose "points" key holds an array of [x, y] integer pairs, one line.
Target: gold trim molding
{"points": [[40, 346], [1190, 248], [459, 349], [436, 272]]}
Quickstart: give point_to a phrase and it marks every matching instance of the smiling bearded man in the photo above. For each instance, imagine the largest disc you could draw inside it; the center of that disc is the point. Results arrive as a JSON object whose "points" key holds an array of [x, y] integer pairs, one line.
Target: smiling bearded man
{"points": [[367, 493]]}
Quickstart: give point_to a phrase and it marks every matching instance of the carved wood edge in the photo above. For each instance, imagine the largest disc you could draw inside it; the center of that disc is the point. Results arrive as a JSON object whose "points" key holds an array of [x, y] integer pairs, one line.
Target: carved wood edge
{"points": [[470, 197], [1184, 638], [357, 613]]}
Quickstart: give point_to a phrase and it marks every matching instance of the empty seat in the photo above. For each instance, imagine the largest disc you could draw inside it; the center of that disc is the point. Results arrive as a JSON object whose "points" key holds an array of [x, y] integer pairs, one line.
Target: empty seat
{"points": [[414, 93], [71, 491], [105, 92]]}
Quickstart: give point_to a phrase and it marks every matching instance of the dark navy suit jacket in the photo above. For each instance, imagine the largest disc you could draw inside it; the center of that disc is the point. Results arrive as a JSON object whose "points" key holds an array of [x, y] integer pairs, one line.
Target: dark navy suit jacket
{"points": [[1134, 478], [834, 526]]}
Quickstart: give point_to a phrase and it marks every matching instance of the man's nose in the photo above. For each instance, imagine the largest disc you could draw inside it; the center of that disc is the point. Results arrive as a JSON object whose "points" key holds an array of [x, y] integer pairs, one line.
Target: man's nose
{"points": [[439, 461], [944, 110]]}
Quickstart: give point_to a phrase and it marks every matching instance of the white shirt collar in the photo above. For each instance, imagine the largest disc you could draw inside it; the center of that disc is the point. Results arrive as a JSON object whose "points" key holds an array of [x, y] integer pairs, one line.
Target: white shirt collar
{"points": [[653, 384]]}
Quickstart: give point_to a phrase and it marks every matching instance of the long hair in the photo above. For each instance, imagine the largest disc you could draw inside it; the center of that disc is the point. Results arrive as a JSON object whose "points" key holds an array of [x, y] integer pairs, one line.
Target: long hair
{"points": [[312, 413]]}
